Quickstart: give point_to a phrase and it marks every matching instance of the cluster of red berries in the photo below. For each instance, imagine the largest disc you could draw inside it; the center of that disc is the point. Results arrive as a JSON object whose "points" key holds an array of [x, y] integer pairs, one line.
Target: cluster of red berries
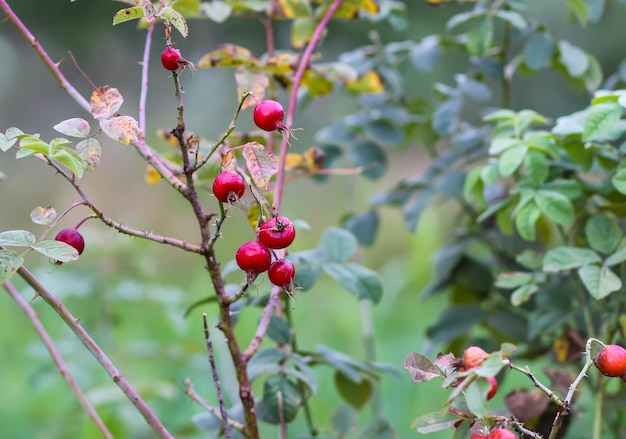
{"points": [[611, 361], [255, 257]]}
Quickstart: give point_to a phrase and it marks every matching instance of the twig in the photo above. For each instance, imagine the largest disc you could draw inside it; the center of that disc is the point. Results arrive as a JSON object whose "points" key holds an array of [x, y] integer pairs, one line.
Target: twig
{"points": [[119, 226], [549, 392], [297, 80], [216, 378], [95, 350], [215, 412], [264, 323], [58, 361], [54, 67], [145, 67]]}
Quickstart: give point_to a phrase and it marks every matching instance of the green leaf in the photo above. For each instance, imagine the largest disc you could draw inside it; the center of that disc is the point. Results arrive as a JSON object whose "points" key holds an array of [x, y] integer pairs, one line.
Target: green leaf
{"points": [[378, 428], [573, 58], [565, 258], [578, 9], [278, 330], [538, 50], [435, 421], [70, 159], [603, 233], [371, 157], [10, 262], [344, 420], [127, 14], [513, 280], [479, 37], [425, 54], [619, 181], [555, 206], [600, 120], [175, 18], [217, 10], [529, 258], [342, 362], [513, 18], [596, 10], [525, 220], [537, 168], [281, 399], [75, 127], [338, 244], [616, 258], [511, 159], [599, 281], [523, 294], [265, 361], [356, 279], [453, 322], [302, 29], [476, 397], [354, 393], [57, 250], [364, 226], [501, 144], [20, 238]]}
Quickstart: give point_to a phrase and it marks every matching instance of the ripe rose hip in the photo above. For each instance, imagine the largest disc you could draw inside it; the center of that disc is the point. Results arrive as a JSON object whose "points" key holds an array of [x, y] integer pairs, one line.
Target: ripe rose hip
{"points": [[228, 186], [72, 237], [473, 356], [611, 361], [277, 232], [501, 433], [478, 436], [281, 273], [171, 59], [268, 115], [493, 389], [253, 258]]}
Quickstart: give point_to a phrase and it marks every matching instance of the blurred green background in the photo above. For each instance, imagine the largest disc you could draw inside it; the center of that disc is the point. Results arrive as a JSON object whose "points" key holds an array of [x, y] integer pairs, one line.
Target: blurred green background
{"points": [[131, 294]]}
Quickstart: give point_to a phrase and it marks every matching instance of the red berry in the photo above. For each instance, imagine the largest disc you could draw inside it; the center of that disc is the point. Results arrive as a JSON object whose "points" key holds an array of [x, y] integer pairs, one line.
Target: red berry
{"points": [[281, 273], [478, 436], [170, 58], [502, 433], [611, 361], [72, 237], [493, 389], [228, 187], [473, 356], [277, 232], [268, 115], [253, 258]]}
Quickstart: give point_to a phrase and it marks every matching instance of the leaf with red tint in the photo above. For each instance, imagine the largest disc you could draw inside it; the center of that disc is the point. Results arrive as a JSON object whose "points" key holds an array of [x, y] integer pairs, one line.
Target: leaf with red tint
{"points": [[105, 102], [90, 151], [261, 163], [448, 363], [122, 129], [420, 368]]}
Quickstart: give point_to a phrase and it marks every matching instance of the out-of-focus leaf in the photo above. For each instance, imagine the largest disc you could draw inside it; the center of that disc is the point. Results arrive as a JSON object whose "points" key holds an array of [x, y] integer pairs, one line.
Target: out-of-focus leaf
{"points": [[261, 164], [122, 129]]}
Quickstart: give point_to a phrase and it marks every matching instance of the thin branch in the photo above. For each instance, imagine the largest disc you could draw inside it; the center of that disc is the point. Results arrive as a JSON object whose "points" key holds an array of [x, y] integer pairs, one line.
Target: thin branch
{"points": [[145, 67], [58, 360], [215, 412], [95, 350], [216, 378], [54, 67], [119, 226], [297, 80], [264, 323]]}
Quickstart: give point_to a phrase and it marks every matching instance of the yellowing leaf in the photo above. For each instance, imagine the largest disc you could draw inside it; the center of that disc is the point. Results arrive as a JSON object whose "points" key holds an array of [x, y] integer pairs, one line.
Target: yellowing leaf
{"points": [[128, 14], [105, 102], [248, 80], [227, 158], [370, 82], [168, 137], [122, 129], [317, 85], [291, 9], [151, 175], [229, 55], [295, 161], [350, 9], [315, 158], [260, 163]]}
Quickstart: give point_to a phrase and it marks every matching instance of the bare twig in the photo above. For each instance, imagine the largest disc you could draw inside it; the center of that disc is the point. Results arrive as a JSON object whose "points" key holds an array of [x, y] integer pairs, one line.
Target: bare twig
{"points": [[145, 67], [264, 323], [215, 412], [58, 361], [215, 376], [95, 350]]}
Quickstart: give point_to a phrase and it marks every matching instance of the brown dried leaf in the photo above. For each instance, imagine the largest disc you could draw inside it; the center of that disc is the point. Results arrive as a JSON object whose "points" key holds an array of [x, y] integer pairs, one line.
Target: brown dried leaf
{"points": [[105, 102], [260, 163], [527, 404], [420, 368], [122, 129]]}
